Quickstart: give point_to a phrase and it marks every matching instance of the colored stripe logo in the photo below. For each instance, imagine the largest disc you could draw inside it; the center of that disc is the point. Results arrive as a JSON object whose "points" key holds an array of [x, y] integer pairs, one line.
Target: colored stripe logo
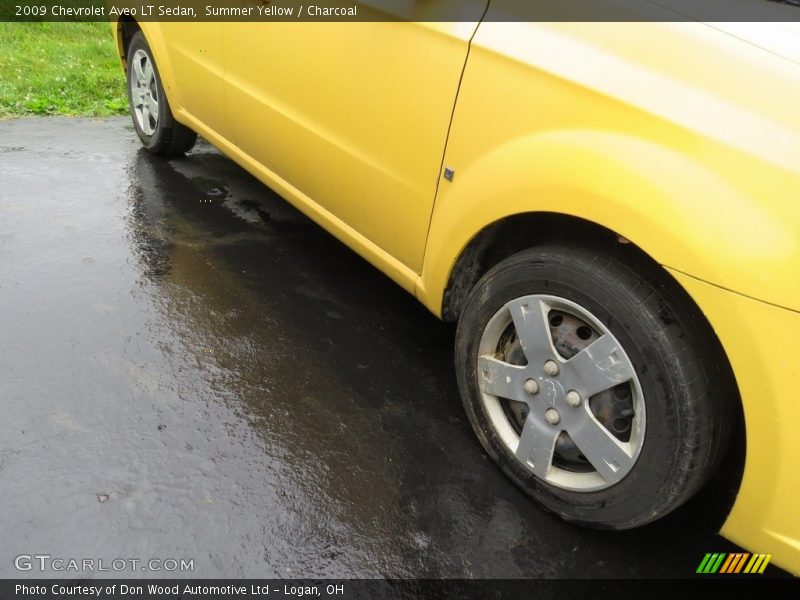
{"points": [[736, 562]]}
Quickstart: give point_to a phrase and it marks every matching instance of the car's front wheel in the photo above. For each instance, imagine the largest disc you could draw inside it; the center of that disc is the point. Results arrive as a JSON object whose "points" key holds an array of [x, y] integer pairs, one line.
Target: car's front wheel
{"points": [[590, 382], [152, 117]]}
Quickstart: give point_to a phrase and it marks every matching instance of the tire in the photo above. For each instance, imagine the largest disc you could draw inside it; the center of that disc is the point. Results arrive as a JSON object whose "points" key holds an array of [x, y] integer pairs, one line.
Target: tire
{"points": [[158, 130], [632, 453]]}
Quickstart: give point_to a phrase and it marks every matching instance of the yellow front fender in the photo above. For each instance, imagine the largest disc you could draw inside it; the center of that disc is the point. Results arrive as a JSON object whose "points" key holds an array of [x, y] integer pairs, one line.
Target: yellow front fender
{"points": [[712, 234], [681, 213]]}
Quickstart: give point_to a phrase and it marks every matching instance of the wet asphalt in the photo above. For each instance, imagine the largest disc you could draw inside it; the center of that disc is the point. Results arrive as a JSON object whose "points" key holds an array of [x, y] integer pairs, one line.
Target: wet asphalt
{"points": [[190, 368]]}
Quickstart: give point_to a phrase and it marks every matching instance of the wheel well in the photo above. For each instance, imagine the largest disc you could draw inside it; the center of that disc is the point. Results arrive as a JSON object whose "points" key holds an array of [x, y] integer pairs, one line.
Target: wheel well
{"points": [[127, 27], [508, 236]]}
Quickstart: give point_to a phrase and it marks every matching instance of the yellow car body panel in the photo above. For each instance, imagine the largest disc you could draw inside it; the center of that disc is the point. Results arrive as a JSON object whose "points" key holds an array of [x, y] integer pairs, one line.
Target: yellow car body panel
{"points": [[761, 343], [660, 132], [674, 153], [348, 146]]}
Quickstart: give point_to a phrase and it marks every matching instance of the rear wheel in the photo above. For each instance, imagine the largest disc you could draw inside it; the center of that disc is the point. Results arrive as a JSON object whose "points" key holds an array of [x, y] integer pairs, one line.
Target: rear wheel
{"points": [[152, 117], [589, 381]]}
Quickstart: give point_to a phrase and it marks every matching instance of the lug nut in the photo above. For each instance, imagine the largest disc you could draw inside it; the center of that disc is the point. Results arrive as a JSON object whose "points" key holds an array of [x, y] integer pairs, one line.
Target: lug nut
{"points": [[551, 416], [551, 368], [532, 386], [573, 398]]}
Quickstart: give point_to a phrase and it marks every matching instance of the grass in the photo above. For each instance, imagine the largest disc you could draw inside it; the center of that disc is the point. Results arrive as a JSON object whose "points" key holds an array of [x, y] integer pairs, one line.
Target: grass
{"points": [[60, 69]]}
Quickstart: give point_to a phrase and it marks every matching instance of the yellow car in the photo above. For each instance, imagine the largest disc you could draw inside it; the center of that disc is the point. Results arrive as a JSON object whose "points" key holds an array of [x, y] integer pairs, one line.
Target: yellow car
{"points": [[611, 213]]}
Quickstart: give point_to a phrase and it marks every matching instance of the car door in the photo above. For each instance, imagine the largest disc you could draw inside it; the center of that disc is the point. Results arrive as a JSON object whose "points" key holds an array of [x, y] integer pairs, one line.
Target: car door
{"points": [[354, 115], [197, 66]]}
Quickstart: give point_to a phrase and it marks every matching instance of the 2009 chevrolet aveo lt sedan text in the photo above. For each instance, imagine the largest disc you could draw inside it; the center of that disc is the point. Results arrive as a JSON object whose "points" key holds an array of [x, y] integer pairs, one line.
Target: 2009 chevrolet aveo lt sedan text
{"points": [[611, 213]]}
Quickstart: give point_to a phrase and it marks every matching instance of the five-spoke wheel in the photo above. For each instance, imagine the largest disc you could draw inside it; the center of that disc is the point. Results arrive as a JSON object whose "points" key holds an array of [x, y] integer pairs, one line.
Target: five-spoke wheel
{"points": [[561, 392], [144, 92], [587, 377]]}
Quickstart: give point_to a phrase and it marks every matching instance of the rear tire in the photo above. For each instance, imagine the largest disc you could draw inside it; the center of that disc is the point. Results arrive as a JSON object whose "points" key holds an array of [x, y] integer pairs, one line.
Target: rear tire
{"points": [[631, 453], [152, 117]]}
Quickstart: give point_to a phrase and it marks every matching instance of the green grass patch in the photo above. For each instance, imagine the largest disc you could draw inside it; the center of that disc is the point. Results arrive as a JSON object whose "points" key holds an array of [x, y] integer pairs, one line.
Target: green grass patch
{"points": [[60, 69]]}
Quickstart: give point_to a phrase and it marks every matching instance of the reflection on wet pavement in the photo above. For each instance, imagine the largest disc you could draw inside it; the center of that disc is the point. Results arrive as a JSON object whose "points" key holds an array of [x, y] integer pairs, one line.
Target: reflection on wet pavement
{"points": [[189, 368]]}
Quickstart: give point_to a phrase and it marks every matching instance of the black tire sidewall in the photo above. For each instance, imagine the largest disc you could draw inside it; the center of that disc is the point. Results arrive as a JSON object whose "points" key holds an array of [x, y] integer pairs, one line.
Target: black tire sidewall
{"points": [[650, 333]]}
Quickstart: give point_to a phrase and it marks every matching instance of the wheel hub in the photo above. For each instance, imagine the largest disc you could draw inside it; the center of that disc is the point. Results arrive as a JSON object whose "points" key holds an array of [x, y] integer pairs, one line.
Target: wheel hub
{"points": [[571, 438]]}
